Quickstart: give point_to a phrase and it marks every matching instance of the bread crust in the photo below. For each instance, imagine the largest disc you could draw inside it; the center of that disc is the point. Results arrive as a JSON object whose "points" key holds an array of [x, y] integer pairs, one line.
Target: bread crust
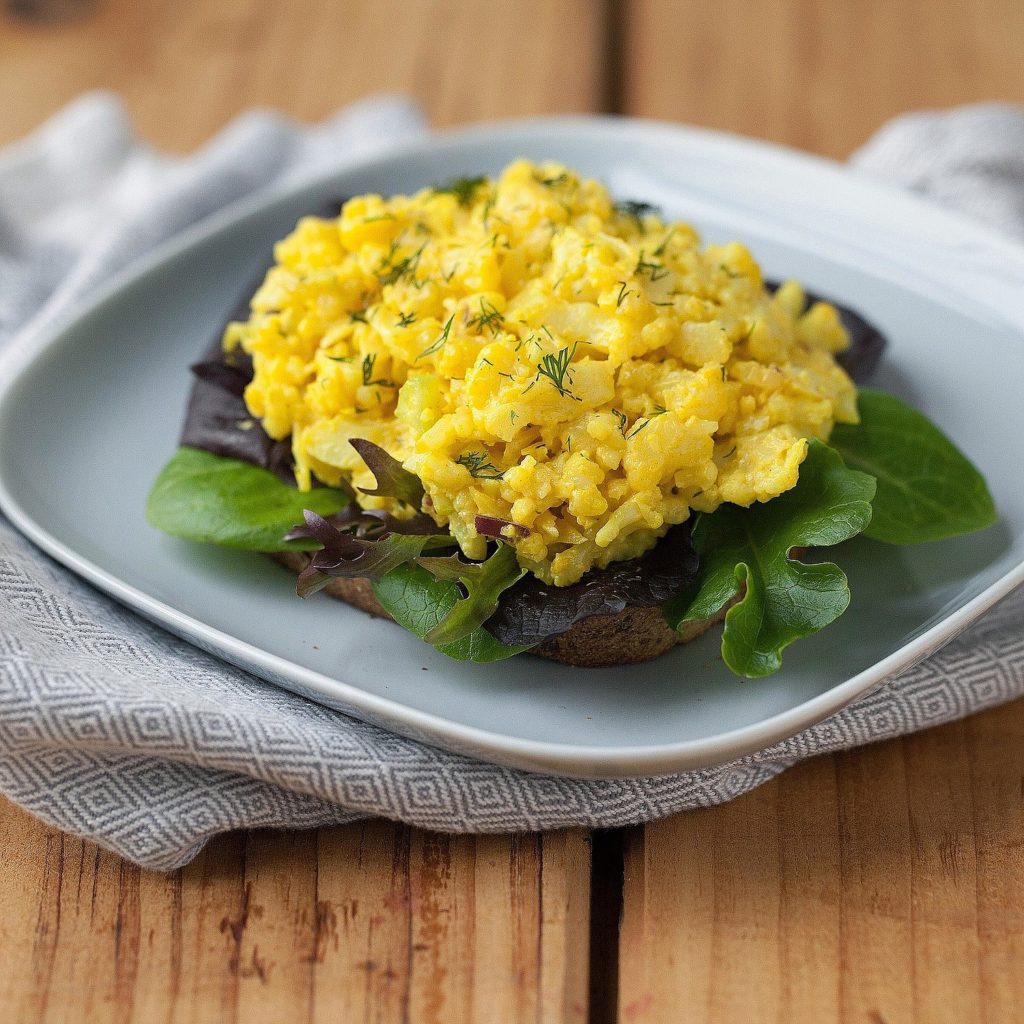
{"points": [[631, 636]]}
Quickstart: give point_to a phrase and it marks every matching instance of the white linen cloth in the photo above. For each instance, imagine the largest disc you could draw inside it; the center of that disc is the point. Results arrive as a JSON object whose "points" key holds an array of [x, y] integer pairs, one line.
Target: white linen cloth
{"points": [[115, 730]]}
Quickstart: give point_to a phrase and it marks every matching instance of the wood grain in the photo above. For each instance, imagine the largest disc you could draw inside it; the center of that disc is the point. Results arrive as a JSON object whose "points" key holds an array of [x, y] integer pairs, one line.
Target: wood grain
{"points": [[884, 884], [813, 73], [881, 886], [185, 69], [371, 922]]}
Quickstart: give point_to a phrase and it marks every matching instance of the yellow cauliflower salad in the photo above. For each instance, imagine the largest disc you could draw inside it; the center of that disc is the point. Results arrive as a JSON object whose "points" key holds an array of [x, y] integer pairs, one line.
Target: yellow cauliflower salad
{"points": [[537, 353]]}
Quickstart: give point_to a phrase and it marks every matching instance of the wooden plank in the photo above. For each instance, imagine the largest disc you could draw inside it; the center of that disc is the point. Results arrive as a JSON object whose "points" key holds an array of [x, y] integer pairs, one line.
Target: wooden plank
{"points": [[883, 884], [371, 922], [185, 69], [814, 74]]}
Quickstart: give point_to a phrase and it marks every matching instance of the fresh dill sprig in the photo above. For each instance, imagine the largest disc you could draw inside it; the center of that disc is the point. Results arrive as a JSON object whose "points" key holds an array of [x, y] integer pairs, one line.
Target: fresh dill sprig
{"points": [[368, 381], [555, 366], [554, 181], [659, 410], [660, 251], [490, 318], [636, 210], [462, 188], [390, 272], [656, 271], [440, 341], [480, 466]]}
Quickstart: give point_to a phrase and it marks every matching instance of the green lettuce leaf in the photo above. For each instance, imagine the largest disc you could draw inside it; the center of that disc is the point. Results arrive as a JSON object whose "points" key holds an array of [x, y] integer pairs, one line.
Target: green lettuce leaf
{"points": [[927, 489], [419, 602], [484, 583], [785, 599], [214, 500]]}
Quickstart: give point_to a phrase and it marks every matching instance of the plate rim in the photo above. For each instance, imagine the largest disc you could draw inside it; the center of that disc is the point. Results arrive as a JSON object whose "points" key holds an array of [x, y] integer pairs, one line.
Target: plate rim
{"points": [[558, 758]]}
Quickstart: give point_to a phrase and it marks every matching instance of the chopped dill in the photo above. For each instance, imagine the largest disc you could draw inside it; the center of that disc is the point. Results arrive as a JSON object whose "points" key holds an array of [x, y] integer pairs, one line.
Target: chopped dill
{"points": [[656, 271], [636, 210], [623, 292], [358, 316], [390, 273], [404, 319], [440, 341], [623, 420], [558, 179], [480, 466], [660, 251], [659, 410], [464, 189], [368, 381], [489, 318], [341, 359], [451, 273]]}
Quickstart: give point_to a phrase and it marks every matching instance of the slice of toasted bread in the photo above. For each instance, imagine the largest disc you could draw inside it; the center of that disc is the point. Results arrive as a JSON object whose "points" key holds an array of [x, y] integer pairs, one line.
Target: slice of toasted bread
{"points": [[633, 635]]}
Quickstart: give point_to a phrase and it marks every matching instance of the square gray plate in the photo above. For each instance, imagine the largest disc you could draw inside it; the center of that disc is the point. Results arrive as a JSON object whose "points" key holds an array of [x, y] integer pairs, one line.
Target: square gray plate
{"points": [[91, 414]]}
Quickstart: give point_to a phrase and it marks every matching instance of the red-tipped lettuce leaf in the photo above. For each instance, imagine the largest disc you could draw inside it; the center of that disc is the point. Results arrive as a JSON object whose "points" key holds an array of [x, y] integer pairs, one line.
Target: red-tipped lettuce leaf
{"points": [[393, 480], [345, 555]]}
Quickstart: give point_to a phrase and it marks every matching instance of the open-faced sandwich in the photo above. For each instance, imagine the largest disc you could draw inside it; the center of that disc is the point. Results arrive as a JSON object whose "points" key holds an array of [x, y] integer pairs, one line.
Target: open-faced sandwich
{"points": [[514, 414]]}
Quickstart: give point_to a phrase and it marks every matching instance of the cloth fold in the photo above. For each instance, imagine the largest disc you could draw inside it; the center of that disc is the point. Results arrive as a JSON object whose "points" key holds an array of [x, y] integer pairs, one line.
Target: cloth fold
{"points": [[120, 732]]}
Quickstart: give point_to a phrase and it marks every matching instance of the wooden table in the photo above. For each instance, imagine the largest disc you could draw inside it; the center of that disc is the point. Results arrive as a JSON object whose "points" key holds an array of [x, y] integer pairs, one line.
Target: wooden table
{"points": [[882, 886]]}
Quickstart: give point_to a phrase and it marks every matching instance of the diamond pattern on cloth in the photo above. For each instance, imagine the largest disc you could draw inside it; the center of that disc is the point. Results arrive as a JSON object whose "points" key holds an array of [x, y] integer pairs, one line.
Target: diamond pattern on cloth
{"points": [[120, 732]]}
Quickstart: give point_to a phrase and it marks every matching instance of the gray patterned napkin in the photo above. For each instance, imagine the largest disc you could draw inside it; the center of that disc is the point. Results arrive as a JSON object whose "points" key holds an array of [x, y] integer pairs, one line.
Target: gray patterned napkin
{"points": [[115, 730]]}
